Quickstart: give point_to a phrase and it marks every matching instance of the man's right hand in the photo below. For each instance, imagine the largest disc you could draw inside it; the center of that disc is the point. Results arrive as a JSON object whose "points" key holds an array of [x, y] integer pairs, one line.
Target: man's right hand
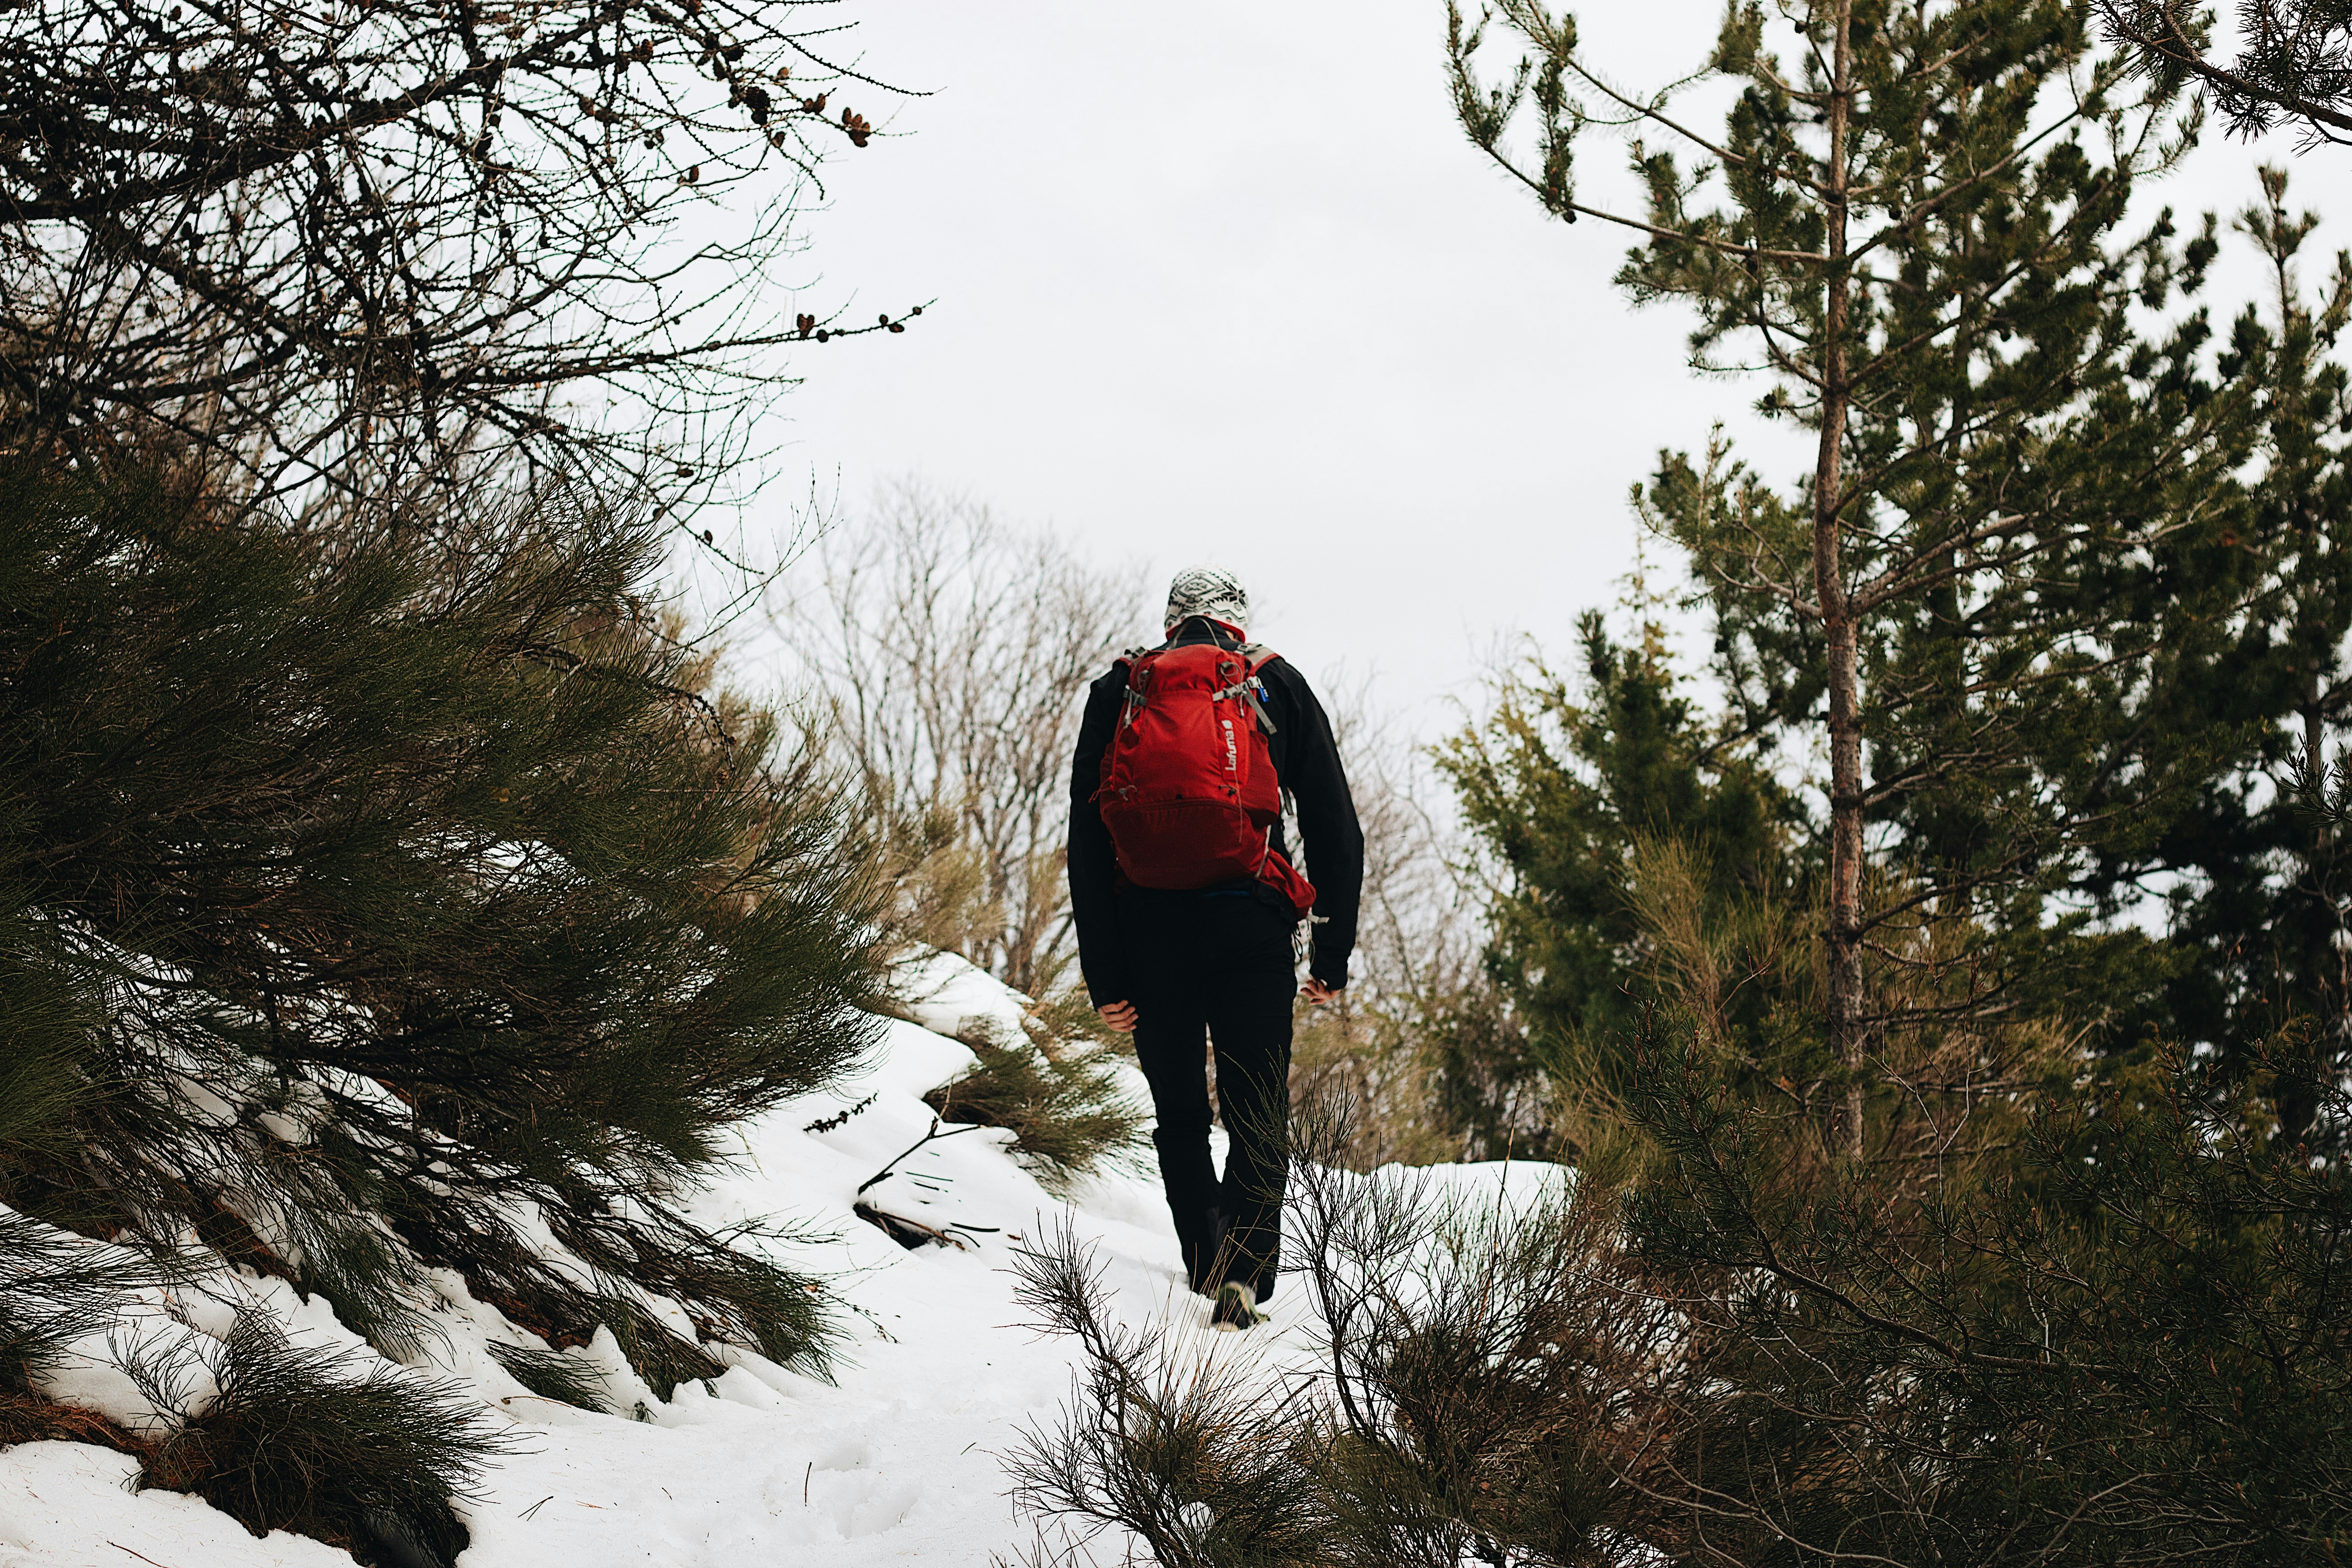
{"points": [[1119, 1016]]}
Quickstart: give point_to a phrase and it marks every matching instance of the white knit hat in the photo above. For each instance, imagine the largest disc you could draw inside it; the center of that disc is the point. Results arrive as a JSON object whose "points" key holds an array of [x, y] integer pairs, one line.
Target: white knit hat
{"points": [[1210, 591]]}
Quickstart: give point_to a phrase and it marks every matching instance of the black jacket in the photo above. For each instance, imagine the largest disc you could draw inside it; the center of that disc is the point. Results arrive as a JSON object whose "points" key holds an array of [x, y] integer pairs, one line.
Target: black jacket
{"points": [[1306, 761]]}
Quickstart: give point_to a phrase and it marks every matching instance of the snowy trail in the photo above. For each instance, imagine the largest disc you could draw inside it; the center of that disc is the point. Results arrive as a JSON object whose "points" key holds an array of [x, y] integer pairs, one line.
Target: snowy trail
{"points": [[897, 1462]]}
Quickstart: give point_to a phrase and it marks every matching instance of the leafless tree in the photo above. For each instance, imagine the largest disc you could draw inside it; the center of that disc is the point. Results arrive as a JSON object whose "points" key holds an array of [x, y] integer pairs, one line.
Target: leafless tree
{"points": [[359, 241], [950, 654], [1419, 930], [1422, 1046]]}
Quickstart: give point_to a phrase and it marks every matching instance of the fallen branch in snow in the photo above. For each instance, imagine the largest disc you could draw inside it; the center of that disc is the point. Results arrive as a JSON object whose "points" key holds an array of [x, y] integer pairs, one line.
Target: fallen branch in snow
{"points": [[916, 1147], [908, 1233]]}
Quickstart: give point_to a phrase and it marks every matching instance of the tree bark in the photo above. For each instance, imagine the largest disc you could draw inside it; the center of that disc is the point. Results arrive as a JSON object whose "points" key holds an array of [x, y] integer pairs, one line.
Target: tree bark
{"points": [[2298, 1099], [1843, 1004]]}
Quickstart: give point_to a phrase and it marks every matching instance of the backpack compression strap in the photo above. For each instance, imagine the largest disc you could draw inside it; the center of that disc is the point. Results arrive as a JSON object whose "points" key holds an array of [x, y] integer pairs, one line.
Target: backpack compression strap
{"points": [[1249, 689]]}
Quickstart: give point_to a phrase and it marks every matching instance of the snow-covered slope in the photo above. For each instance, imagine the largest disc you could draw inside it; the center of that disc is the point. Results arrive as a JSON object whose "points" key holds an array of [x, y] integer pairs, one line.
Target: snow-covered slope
{"points": [[897, 1462]]}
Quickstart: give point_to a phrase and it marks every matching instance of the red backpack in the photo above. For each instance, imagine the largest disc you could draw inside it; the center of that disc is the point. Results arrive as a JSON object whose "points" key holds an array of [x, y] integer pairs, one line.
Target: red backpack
{"points": [[1188, 788]]}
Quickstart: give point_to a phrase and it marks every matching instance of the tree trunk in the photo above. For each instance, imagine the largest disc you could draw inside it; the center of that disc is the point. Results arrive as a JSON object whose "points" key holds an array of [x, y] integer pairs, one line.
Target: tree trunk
{"points": [[1844, 1010], [2298, 1099]]}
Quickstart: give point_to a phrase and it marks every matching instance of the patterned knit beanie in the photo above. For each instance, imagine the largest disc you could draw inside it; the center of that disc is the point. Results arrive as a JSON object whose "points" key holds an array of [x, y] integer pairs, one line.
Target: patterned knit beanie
{"points": [[1208, 590]]}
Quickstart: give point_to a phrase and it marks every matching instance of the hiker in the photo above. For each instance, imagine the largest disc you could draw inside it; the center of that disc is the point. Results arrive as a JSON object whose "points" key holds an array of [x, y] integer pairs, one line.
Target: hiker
{"points": [[1185, 901]]}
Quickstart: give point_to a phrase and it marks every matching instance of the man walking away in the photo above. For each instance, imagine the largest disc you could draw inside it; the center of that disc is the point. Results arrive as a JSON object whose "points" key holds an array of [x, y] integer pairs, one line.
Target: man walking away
{"points": [[1185, 900]]}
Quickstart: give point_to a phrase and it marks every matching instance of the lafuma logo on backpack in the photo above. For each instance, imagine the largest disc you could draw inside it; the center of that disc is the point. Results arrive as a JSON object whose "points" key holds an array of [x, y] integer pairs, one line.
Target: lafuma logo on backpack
{"points": [[1188, 786]]}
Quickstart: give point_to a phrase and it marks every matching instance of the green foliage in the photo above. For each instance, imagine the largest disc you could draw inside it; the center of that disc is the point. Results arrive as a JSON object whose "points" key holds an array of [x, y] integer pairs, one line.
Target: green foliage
{"points": [[2089, 1325], [1486, 1094], [2289, 67], [48, 1025], [2257, 922], [2040, 494], [1567, 792], [1438, 1074], [1060, 1096], [377, 883], [552, 1374], [2118, 1347], [306, 1441], [55, 1289]]}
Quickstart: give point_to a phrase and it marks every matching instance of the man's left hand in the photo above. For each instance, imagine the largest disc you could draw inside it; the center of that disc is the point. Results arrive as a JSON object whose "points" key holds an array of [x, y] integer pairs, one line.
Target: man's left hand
{"points": [[1320, 995]]}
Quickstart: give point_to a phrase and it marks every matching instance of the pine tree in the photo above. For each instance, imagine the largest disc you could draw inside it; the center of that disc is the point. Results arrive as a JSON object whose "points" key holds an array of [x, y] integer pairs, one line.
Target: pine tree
{"points": [[2013, 568], [2259, 865], [381, 896]]}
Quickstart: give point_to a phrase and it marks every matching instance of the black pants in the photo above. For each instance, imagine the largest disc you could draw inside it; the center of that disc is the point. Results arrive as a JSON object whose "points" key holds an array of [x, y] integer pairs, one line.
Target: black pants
{"points": [[1217, 967]]}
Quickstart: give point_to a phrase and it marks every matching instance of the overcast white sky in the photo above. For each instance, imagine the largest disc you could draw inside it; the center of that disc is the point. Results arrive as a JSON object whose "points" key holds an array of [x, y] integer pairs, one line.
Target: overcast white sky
{"points": [[1224, 281]]}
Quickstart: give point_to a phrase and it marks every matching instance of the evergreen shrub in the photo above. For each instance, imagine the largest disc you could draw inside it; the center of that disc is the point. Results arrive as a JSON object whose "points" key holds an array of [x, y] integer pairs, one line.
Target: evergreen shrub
{"points": [[366, 1458], [1194, 1458], [55, 1289], [552, 1374], [391, 889], [1060, 1096], [2089, 1327]]}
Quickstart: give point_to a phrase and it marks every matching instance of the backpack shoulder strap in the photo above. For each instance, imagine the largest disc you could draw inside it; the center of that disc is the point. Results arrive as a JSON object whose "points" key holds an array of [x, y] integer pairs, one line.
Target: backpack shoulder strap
{"points": [[1135, 675]]}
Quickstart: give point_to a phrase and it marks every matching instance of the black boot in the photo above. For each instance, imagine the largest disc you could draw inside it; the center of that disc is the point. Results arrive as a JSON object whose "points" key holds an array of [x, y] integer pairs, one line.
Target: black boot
{"points": [[1236, 1309], [1204, 1253]]}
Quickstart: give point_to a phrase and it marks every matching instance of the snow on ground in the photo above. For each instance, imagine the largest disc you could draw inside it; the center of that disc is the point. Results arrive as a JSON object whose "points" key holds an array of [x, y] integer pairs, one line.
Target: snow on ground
{"points": [[899, 1461]]}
